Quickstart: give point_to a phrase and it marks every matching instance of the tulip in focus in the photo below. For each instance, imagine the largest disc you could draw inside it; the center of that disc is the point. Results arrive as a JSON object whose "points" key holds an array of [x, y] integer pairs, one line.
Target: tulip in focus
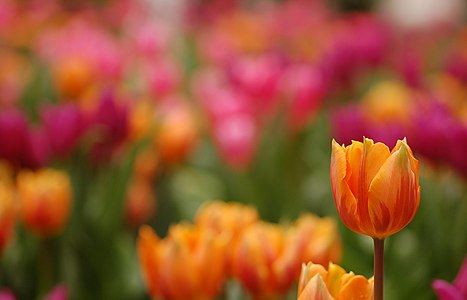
{"points": [[188, 264], [332, 284], [376, 191], [45, 198], [455, 291]]}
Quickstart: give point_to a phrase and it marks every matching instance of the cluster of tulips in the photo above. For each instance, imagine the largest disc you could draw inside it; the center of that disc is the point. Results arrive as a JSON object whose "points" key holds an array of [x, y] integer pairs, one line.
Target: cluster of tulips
{"points": [[229, 240], [115, 114]]}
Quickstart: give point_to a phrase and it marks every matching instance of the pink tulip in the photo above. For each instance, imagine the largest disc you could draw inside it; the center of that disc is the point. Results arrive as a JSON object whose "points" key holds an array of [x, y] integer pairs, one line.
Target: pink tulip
{"points": [[455, 291], [64, 124]]}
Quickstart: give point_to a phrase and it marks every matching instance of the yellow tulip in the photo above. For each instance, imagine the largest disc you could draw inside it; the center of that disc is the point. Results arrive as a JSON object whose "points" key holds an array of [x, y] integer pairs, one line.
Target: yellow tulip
{"points": [[333, 284], [376, 191]]}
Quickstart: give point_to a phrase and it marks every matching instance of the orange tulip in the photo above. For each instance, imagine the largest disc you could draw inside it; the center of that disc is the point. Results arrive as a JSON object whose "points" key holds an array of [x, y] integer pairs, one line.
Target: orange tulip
{"points": [[226, 217], [261, 261], [334, 283], [177, 133], [7, 213], [376, 191], [319, 239], [45, 200], [267, 257], [140, 202], [188, 264]]}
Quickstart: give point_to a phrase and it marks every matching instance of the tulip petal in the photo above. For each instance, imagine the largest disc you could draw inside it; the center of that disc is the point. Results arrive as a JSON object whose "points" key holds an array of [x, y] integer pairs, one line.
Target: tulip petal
{"points": [[315, 290], [394, 194], [461, 279], [147, 243], [356, 288], [334, 279], [309, 271], [344, 198], [446, 291]]}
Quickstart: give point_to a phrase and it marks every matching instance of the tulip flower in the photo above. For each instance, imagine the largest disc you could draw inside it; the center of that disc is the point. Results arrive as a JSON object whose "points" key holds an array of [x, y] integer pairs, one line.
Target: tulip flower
{"points": [[376, 191], [64, 126], [7, 213], [226, 217], [334, 283], [140, 201], [188, 264], [177, 134], [45, 198], [267, 257], [318, 239], [455, 291], [109, 122]]}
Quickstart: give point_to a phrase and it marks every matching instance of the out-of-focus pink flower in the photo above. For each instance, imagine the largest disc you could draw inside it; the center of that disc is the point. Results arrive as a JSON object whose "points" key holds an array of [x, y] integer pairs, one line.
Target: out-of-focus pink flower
{"points": [[91, 46], [13, 135], [236, 137], [258, 78], [7, 295], [110, 125], [410, 68], [163, 78], [60, 292], [148, 39], [439, 136], [457, 67], [232, 119], [64, 124], [233, 126], [360, 42], [455, 291], [305, 87], [37, 150]]}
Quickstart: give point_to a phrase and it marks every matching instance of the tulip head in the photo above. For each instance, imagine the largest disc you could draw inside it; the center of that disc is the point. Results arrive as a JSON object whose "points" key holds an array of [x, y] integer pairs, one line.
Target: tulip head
{"points": [[267, 257], [188, 264], [7, 213], [376, 192], [45, 200], [229, 218], [334, 283]]}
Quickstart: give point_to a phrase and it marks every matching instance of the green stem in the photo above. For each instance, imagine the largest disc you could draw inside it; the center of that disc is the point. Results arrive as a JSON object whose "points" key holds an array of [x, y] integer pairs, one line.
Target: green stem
{"points": [[379, 268]]}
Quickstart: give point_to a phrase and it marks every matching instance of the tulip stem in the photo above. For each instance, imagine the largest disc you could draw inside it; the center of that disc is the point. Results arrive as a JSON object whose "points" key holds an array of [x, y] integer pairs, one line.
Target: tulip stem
{"points": [[379, 268]]}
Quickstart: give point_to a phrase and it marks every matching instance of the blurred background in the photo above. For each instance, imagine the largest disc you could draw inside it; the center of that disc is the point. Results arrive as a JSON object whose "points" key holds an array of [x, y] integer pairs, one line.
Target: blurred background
{"points": [[115, 114]]}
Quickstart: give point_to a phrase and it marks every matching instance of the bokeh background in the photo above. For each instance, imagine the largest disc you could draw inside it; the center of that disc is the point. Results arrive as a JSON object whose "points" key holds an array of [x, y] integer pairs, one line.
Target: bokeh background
{"points": [[115, 114]]}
